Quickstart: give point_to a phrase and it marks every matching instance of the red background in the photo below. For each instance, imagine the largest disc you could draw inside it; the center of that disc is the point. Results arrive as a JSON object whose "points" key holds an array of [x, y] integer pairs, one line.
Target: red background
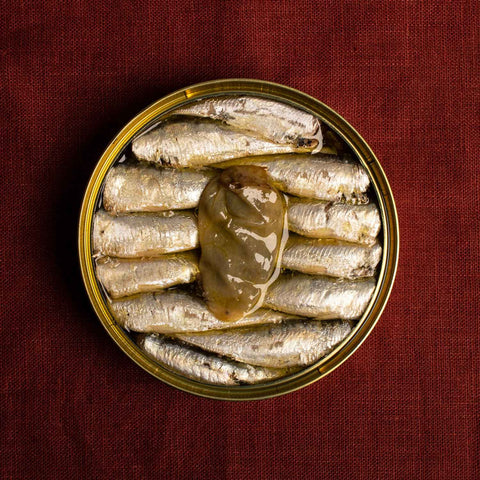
{"points": [[405, 74]]}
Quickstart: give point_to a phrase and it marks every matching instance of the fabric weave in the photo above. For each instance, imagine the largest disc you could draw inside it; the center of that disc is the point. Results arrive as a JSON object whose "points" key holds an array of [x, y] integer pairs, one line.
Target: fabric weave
{"points": [[405, 75]]}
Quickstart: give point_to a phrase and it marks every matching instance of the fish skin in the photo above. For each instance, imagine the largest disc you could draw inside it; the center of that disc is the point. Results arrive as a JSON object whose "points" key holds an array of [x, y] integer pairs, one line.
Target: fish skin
{"points": [[350, 223], [268, 119], [144, 234], [146, 188], [285, 345], [330, 257], [122, 277], [203, 366], [323, 177], [320, 297], [201, 142], [175, 311]]}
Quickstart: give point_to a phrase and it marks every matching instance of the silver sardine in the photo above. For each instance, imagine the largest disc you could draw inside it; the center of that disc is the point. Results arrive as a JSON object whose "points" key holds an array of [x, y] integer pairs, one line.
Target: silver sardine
{"points": [[351, 223], [320, 297], [124, 276], [268, 119], [143, 234], [175, 311], [286, 345], [201, 142], [323, 177], [330, 257], [204, 366], [145, 188]]}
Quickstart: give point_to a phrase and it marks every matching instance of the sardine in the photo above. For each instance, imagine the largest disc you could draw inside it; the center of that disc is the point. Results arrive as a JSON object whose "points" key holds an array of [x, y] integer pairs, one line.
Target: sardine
{"points": [[277, 346], [330, 257], [320, 297], [122, 277], [323, 177], [268, 119], [175, 311], [203, 366], [144, 234], [202, 142], [351, 223], [144, 188]]}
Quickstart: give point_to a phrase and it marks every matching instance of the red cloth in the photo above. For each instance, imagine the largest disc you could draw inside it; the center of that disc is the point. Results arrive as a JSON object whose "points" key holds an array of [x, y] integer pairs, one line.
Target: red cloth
{"points": [[405, 74]]}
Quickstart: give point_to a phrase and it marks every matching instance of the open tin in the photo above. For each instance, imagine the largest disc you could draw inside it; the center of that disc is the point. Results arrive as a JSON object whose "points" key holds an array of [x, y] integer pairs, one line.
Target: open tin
{"points": [[380, 188]]}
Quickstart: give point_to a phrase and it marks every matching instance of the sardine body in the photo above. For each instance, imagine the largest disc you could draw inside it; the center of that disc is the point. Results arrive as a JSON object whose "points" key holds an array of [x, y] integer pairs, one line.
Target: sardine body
{"points": [[145, 188], [323, 177], [175, 311], [200, 142], [121, 277], [350, 223], [330, 257], [203, 366], [277, 346], [268, 119], [320, 297], [144, 234]]}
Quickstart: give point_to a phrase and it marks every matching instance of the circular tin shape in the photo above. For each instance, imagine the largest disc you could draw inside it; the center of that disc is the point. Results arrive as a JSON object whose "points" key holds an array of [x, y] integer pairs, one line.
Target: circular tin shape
{"points": [[380, 186]]}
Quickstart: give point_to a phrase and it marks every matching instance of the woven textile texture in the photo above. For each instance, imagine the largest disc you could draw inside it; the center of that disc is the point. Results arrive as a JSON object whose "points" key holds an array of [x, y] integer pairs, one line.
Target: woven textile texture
{"points": [[405, 75]]}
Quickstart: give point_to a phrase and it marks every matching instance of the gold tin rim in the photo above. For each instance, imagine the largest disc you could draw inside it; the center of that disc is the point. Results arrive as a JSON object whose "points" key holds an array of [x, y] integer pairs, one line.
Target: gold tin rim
{"points": [[386, 205]]}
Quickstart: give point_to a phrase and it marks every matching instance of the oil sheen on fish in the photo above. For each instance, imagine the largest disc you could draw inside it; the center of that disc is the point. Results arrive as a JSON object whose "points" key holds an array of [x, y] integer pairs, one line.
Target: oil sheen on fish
{"points": [[175, 311], [351, 223], [330, 257], [320, 297], [202, 142], [203, 366], [124, 276], [144, 234], [242, 231], [323, 177], [279, 346], [268, 119], [145, 188]]}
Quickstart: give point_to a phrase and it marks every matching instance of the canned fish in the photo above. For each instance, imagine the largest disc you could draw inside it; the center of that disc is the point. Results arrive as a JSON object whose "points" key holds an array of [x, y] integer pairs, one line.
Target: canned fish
{"points": [[238, 239]]}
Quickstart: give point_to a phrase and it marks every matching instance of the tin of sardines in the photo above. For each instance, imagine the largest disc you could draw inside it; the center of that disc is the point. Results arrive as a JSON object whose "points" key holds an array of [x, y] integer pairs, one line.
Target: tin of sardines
{"points": [[238, 239]]}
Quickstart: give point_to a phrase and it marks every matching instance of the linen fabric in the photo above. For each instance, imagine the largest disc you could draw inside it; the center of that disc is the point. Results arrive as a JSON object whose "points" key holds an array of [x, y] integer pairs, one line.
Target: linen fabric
{"points": [[405, 75]]}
